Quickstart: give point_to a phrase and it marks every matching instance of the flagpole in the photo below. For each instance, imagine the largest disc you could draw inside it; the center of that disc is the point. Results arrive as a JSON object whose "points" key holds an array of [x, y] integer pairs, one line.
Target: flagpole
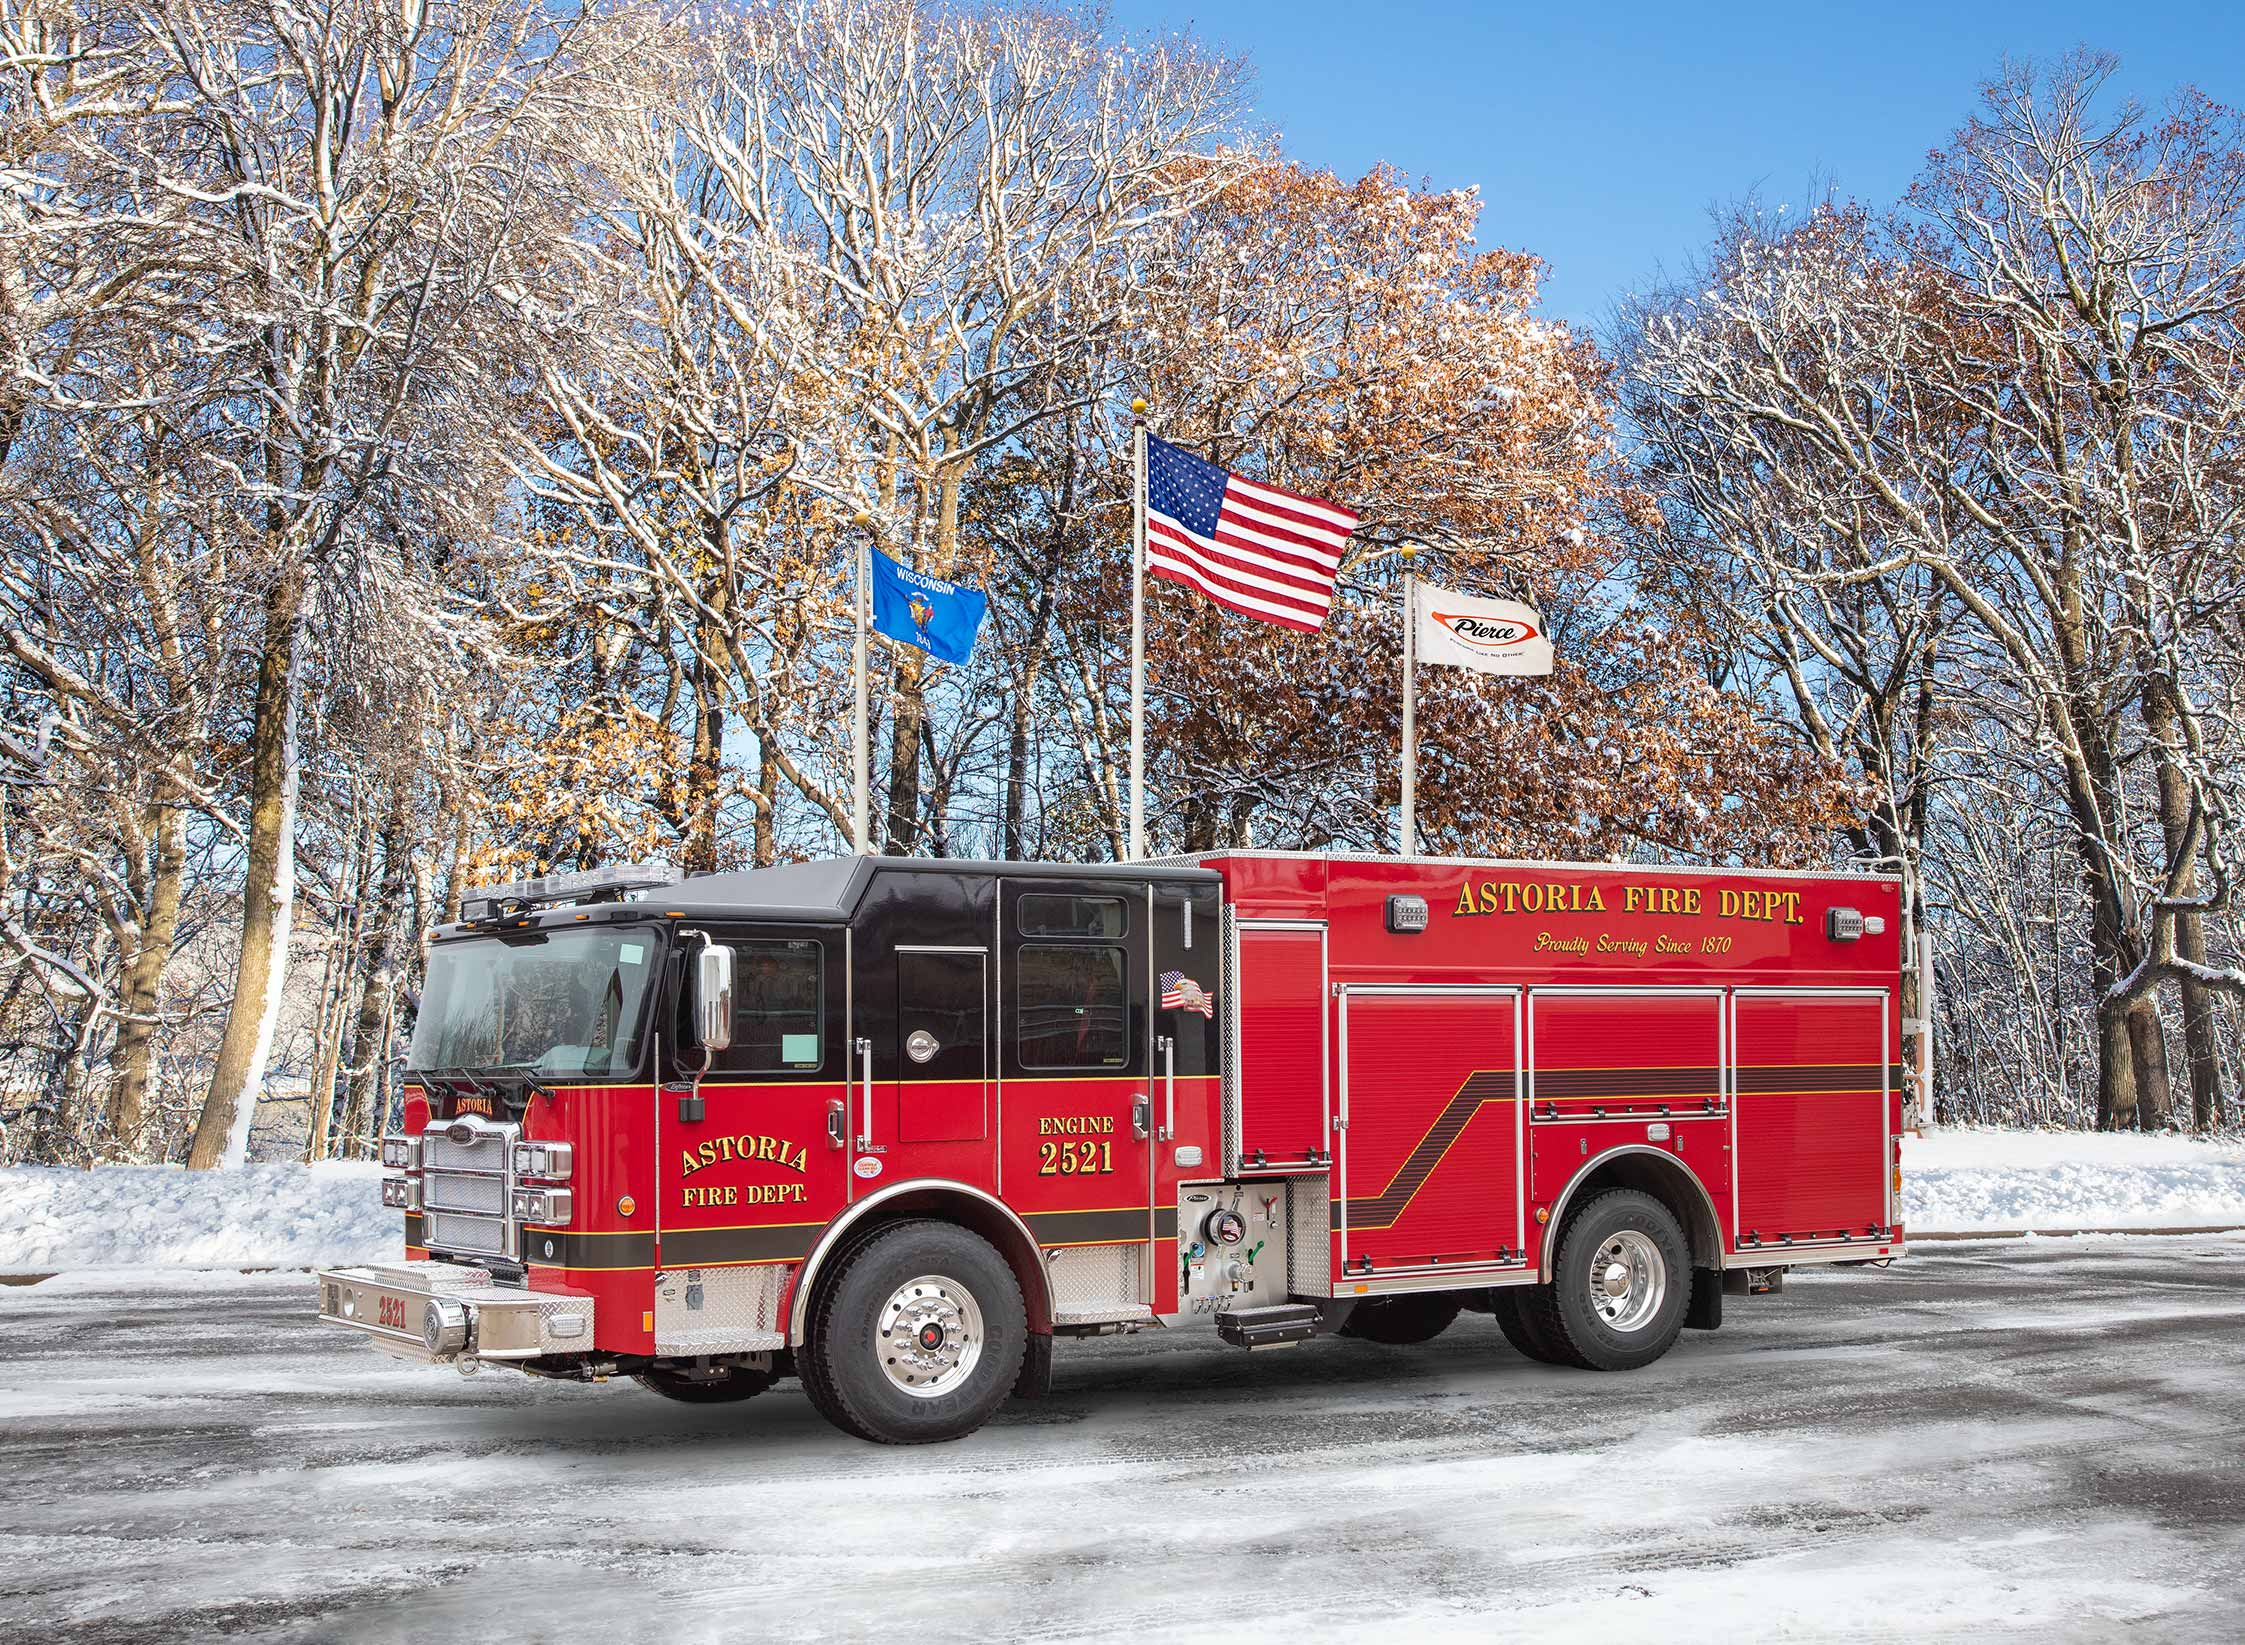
{"points": [[1138, 631], [1410, 701], [860, 783]]}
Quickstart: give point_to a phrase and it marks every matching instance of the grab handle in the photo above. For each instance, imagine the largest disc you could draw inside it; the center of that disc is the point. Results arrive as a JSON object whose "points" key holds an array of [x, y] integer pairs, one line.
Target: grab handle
{"points": [[865, 1093]]}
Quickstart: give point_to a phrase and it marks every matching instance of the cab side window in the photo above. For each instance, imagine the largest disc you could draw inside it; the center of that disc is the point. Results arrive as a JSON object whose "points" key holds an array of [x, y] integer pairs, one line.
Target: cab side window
{"points": [[778, 1009], [1072, 1008]]}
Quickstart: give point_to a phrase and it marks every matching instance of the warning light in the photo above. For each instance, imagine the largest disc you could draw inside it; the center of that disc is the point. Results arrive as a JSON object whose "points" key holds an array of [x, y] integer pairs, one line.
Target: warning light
{"points": [[1542, 1216]]}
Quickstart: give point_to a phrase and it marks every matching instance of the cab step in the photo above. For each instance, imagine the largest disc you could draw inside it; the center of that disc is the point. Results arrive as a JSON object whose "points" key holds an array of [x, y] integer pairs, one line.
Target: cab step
{"points": [[1281, 1325]]}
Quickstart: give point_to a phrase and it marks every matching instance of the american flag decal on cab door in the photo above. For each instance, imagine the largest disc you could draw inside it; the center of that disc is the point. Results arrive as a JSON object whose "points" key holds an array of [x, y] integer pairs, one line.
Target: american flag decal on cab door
{"points": [[1180, 993]]}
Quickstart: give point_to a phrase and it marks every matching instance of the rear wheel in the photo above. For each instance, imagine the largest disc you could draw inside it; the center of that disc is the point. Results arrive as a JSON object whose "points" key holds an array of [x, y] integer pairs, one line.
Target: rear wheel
{"points": [[918, 1335], [1402, 1321], [724, 1386], [1620, 1286], [1518, 1323]]}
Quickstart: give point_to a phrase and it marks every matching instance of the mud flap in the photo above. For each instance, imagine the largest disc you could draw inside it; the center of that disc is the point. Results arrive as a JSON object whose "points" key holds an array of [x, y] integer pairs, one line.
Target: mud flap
{"points": [[1035, 1380], [1706, 1310]]}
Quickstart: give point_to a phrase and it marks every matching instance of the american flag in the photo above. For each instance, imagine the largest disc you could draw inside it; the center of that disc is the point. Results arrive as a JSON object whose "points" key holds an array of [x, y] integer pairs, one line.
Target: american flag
{"points": [[1180, 993], [1250, 547]]}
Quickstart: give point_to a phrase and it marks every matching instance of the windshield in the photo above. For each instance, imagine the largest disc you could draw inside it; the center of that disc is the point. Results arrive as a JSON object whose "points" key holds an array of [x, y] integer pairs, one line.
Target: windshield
{"points": [[553, 1003]]}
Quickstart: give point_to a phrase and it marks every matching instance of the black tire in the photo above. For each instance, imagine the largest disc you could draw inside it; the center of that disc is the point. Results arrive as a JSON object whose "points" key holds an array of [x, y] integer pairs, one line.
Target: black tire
{"points": [[1401, 1321], [1518, 1323], [1563, 1314], [734, 1385], [859, 1381]]}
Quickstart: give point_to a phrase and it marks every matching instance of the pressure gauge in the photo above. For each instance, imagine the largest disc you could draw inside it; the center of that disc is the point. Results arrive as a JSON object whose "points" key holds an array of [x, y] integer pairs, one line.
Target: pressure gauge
{"points": [[1225, 1227]]}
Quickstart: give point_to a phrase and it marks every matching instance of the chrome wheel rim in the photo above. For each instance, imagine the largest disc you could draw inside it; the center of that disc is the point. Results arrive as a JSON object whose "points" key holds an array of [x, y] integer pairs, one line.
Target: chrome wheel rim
{"points": [[1628, 1281], [929, 1336]]}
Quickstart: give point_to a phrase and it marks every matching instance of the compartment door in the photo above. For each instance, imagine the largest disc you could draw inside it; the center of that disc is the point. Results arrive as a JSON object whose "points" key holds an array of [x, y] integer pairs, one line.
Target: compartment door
{"points": [[1811, 1106], [1281, 1110], [1430, 1117]]}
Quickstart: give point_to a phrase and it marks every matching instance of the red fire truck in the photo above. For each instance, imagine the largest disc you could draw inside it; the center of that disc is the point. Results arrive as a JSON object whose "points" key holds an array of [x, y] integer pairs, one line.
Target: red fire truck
{"points": [[892, 1126]]}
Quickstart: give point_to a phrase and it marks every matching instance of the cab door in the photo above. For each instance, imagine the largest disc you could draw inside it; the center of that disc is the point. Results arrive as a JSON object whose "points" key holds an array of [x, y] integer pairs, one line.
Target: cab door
{"points": [[751, 1162], [1077, 1094]]}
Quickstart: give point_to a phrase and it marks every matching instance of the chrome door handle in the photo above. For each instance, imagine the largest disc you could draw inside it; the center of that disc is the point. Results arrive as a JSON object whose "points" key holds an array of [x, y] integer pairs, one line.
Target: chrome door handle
{"points": [[1141, 1116], [837, 1121], [1168, 1087], [865, 1093]]}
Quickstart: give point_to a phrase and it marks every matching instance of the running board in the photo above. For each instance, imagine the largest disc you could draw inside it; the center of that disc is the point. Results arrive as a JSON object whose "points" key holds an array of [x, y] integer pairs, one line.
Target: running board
{"points": [[1279, 1326]]}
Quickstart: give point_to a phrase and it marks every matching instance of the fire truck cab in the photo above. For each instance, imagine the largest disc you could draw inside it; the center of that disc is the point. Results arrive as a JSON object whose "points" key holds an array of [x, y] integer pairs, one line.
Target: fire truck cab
{"points": [[894, 1125]]}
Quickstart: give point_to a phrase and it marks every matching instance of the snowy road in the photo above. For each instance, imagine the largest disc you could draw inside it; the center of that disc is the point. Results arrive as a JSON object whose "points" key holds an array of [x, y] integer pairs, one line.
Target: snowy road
{"points": [[2037, 1441]]}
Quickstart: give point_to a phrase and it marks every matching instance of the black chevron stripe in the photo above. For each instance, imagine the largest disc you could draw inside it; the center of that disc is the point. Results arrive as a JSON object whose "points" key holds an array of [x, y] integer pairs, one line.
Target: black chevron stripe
{"points": [[1381, 1210]]}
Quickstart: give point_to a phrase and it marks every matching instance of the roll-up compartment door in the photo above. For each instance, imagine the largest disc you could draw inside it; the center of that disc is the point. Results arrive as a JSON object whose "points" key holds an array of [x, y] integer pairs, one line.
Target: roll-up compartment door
{"points": [[1811, 1100], [1431, 1157], [1281, 1058]]}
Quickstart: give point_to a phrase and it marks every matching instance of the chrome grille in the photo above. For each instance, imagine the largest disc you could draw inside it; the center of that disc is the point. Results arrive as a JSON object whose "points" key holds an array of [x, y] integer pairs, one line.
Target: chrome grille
{"points": [[465, 1184], [486, 1151], [486, 1196], [481, 1236]]}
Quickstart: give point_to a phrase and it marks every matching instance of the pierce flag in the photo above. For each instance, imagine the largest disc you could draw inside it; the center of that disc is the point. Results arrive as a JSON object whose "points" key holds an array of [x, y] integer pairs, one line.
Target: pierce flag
{"points": [[1494, 636]]}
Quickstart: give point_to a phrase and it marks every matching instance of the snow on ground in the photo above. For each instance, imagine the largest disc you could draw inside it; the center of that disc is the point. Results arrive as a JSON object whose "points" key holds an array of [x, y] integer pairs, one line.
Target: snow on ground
{"points": [[2023, 1443], [143, 1216], [291, 1216], [1967, 1180]]}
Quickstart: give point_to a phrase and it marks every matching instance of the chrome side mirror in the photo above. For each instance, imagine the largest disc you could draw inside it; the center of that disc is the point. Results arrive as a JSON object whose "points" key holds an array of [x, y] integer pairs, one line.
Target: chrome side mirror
{"points": [[713, 996]]}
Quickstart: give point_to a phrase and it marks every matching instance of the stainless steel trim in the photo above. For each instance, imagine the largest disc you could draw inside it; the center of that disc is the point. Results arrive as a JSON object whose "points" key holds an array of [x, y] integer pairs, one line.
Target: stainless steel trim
{"points": [[1195, 859], [799, 1305], [940, 948]]}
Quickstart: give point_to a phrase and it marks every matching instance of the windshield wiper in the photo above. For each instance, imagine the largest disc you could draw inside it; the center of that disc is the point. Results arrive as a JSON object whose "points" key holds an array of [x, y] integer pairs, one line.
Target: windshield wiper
{"points": [[523, 1071]]}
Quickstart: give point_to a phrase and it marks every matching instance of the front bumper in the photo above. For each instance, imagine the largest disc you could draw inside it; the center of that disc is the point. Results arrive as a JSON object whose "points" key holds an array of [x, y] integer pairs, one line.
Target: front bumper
{"points": [[441, 1312]]}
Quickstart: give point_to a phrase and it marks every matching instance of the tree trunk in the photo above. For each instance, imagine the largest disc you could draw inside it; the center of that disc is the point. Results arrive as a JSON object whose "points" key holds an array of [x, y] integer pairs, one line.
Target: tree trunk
{"points": [[2147, 1045], [2116, 1078], [764, 849], [133, 1059], [901, 828], [268, 888], [378, 980], [705, 767], [2200, 1043]]}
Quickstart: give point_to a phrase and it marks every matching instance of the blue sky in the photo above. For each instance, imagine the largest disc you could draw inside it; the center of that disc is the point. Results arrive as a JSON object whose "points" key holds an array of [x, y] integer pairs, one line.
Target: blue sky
{"points": [[1600, 135]]}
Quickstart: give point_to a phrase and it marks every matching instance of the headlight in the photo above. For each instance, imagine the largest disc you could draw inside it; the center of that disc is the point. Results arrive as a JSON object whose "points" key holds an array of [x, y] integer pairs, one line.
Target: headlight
{"points": [[551, 1207], [401, 1193], [550, 1161], [401, 1153]]}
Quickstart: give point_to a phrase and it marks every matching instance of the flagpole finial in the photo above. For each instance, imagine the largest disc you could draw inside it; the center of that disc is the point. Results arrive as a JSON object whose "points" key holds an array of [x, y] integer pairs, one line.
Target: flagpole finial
{"points": [[862, 520], [1138, 408], [1409, 551]]}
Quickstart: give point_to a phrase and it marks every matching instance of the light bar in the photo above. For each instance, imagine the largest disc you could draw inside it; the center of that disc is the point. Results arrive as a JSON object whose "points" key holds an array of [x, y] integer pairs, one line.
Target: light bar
{"points": [[586, 885]]}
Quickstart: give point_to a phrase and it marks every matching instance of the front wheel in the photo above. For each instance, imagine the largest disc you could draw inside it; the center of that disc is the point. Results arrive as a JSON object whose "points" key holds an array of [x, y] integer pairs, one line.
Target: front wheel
{"points": [[1620, 1286], [918, 1336]]}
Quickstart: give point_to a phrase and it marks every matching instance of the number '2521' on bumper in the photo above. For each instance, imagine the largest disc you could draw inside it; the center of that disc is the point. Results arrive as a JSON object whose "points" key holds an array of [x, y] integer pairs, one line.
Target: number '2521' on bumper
{"points": [[436, 1311]]}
